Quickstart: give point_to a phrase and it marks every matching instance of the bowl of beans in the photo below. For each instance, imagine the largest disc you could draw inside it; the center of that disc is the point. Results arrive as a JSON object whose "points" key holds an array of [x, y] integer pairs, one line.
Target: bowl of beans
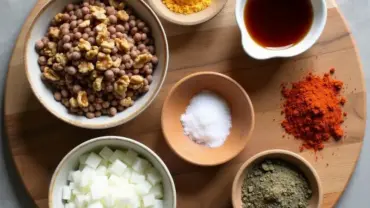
{"points": [[96, 63]]}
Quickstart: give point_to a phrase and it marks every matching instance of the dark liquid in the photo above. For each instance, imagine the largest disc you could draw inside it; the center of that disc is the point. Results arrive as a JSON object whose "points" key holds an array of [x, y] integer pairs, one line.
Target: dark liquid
{"points": [[278, 23]]}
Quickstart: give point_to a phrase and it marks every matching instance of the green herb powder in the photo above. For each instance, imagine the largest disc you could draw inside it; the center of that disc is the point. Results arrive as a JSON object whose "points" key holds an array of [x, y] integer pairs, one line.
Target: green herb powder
{"points": [[275, 184]]}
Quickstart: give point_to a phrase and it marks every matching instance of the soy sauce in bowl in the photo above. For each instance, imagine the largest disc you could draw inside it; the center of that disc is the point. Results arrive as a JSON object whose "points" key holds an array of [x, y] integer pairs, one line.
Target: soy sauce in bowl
{"points": [[278, 23]]}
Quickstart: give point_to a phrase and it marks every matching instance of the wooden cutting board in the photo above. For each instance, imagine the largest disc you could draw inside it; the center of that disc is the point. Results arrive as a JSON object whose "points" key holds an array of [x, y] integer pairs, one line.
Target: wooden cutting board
{"points": [[38, 140]]}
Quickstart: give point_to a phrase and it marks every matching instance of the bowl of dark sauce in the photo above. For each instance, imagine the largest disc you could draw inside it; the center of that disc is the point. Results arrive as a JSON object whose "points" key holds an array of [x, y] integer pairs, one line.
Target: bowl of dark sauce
{"points": [[279, 28]]}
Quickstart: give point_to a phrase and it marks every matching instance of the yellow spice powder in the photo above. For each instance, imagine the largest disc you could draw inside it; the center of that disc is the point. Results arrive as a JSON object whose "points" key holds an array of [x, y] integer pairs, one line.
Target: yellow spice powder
{"points": [[187, 6]]}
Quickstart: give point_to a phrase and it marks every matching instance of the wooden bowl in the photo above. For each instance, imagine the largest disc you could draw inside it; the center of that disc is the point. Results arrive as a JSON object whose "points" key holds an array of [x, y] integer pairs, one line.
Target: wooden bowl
{"points": [[290, 157], [241, 111], [44, 94], [189, 19]]}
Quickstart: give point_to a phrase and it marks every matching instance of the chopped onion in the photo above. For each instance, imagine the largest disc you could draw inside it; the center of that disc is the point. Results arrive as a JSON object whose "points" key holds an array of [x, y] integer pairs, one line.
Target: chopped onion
{"points": [[113, 178]]}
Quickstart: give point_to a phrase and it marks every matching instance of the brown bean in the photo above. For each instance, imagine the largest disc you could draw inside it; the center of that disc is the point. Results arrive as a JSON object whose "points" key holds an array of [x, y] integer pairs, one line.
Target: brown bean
{"points": [[91, 40], [85, 36], [109, 75], [120, 108], [112, 19], [134, 30], [91, 98], [77, 36], [88, 17], [126, 58], [115, 70], [98, 100], [85, 10], [136, 71], [120, 28], [85, 110], [90, 115], [127, 26], [71, 70], [87, 30], [64, 93], [110, 10], [109, 88], [113, 36], [66, 38], [86, 4], [42, 60], [132, 17], [134, 54], [45, 40], [144, 36], [69, 7], [122, 67], [106, 104], [154, 60], [57, 96], [92, 34], [146, 30], [73, 17], [122, 72], [112, 111], [137, 37], [66, 17], [39, 45], [79, 14], [76, 88], [140, 25], [97, 114], [76, 55], [150, 49], [73, 24]]}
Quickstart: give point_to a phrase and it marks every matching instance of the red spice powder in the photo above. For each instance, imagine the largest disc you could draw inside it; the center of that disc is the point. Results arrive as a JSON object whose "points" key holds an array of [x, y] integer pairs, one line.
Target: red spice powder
{"points": [[313, 112]]}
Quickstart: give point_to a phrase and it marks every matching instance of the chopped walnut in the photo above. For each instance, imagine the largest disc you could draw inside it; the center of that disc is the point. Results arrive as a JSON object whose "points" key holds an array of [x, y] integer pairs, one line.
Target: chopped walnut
{"points": [[117, 62], [98, 12], [141, 60], [54, 32], [122, 15], [101, 27], [136, 82], [97, 84], [127, 102], [120, 86], [50, 61], [104, 61], [117, 4], [85, 67], [84, 45], [91, 54], [50, 75], [51, 49], [82, 99], [59, 17], [84, 24], [73, 102], [93, 75], [123, 44], [107, 46], [61, 58]]}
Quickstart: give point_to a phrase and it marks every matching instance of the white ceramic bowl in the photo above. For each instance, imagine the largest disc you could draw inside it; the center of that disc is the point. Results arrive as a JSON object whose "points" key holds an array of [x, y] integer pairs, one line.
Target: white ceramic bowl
{"points": [[70, 162], [45, 96], [258, 52]]}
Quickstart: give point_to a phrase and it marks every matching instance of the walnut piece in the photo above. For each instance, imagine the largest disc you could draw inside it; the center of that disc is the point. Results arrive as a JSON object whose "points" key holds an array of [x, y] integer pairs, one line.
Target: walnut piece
{"points": [[93, 75], [97, 84], [50, 61], [101, 27], [59, 17], [126, 102], [85, 67], [117, 4], [123, 44], [50, 74], [84, 24], [141, 60], [136, 82], [107, 46], [117, 62], [54, 32], [98, 12], [104, 61], [51, 49], [120, 86], [82, 99], [84, 45], [61, 58], [73, 102], [91, 54], [122, 15]]}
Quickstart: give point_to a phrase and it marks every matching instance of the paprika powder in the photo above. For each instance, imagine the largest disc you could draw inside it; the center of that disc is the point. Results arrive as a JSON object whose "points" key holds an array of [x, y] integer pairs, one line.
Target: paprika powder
{"points": [[313, 110]]}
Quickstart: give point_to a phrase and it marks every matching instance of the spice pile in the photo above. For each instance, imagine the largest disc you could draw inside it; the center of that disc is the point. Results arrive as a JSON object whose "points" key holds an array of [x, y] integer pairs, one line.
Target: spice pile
{"points": [[313, 110], [274, 183], [97, 57], [207, 119], [187, 6]]}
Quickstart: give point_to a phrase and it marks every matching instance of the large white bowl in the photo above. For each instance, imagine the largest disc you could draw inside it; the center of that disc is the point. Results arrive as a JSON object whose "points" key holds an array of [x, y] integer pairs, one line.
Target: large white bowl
{"points": [[45, 95], [258, 52], [70, 162]]}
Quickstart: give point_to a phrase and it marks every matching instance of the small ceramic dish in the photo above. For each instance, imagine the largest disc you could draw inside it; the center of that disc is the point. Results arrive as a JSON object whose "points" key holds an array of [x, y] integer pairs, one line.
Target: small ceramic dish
{"points": [[287, 156], [189, 19], [242, 116], [44, 94], [70, 162], [258, 52]]}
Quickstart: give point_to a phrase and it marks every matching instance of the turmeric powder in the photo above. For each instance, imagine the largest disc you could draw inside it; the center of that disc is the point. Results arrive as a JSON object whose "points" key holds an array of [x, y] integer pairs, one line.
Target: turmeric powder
{"points": [[187, 6]]}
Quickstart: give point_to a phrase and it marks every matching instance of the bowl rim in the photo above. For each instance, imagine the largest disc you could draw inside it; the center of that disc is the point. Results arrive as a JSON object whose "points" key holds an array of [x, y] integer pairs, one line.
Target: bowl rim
{"points": [[108, 138], [181, 81], [108, 123], [153, 4], [266, 153]]}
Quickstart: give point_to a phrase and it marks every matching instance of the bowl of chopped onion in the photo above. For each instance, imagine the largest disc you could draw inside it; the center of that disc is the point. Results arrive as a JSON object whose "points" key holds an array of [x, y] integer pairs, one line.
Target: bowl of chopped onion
{"points": [[112, 171]]}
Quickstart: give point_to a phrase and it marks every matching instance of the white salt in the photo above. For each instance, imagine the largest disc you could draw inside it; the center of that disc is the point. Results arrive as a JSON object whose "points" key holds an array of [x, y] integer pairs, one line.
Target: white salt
{"points": [[207, 120]]}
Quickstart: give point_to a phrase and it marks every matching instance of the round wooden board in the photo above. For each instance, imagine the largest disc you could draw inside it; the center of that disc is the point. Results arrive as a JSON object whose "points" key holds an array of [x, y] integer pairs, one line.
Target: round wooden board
{"points": [[38, 140]]}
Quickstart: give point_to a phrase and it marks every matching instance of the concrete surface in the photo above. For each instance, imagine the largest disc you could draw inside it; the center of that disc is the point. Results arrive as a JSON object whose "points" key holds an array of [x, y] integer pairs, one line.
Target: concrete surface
{"points": [[12, 15]]}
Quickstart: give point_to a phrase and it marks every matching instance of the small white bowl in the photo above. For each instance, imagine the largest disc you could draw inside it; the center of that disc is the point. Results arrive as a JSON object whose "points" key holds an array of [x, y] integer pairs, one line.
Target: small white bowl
{"points": [[70, 162], [258, 52], [45, 96]]}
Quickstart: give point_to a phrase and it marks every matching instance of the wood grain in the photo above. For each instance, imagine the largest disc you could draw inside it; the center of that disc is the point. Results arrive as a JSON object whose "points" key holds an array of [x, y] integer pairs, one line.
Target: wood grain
{"points": [[38, 140]]}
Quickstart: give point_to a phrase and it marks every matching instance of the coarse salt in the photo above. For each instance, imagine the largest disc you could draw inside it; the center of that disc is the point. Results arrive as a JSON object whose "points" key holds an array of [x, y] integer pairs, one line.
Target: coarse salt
{"points": [[207, 120]]}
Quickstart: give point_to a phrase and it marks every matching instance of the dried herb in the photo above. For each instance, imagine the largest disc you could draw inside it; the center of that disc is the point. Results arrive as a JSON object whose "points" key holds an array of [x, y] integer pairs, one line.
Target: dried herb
{"points": [[275, 184]]}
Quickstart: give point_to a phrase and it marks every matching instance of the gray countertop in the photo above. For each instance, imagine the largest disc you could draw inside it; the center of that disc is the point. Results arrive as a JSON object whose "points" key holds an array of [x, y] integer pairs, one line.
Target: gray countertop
{"points": [[12, 16]]}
